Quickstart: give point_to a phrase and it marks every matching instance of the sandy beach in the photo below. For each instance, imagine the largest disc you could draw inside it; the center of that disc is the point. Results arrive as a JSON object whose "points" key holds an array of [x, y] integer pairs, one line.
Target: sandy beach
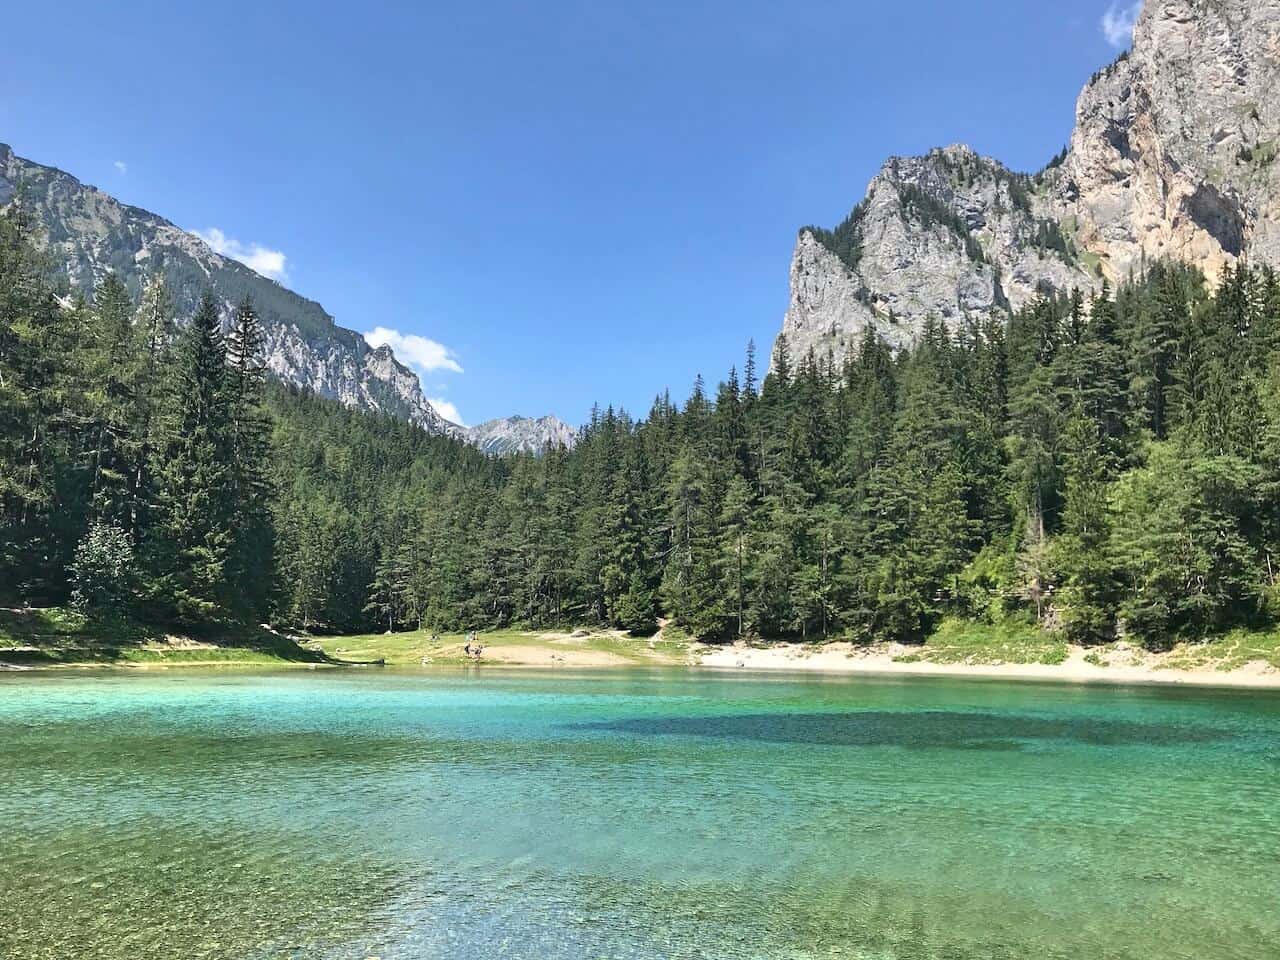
{"points": [[1131, 665]]}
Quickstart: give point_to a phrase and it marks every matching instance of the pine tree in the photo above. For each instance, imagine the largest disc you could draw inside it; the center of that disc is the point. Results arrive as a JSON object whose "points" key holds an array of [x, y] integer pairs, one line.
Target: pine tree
{"points": [[387, 590], [39, 409], [1103, 391], [691, 584], [306, 566], [1155, 339], [1085, 601], [1182, 543], [780, 372], [249, 559], [153, 333], [749, 374], [735, 531], [115, 448], [192, 540]]}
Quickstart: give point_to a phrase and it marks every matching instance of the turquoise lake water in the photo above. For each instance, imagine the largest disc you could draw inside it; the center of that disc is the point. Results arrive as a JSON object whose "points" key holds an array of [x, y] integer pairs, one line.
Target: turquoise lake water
{"points": [[633, 814]]}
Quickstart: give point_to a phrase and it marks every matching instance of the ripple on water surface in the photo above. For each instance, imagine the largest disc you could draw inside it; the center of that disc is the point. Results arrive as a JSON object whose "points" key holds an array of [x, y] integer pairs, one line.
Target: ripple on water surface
{"points": [[633, 816]]}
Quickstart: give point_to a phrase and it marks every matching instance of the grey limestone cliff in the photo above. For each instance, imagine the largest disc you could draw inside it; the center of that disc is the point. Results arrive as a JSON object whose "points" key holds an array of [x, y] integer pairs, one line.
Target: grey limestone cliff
{"points": [[1173, 155]]}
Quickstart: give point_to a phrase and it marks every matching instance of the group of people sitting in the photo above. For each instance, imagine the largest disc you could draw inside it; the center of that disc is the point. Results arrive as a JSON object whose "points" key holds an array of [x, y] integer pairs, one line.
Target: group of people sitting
{"points": [[473, 648]]}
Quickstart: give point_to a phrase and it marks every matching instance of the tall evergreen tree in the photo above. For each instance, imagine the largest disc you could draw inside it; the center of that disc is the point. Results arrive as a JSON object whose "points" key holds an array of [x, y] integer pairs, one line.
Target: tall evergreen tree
{"points": [[249, 557], [1082, 553], [195, 530]]}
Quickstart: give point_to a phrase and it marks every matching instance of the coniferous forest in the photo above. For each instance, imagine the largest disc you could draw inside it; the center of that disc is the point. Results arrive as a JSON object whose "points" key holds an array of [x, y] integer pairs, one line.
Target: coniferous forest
{"points": [[1103, 467]]}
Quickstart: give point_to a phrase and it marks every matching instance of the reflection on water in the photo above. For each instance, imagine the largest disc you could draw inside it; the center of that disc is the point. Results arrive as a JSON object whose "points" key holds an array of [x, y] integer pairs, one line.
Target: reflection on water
{"points": [[632, 815]]}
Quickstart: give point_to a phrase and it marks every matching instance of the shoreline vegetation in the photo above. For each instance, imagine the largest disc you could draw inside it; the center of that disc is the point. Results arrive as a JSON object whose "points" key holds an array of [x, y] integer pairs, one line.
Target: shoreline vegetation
{"points": [[52, 637], [42, 639]]}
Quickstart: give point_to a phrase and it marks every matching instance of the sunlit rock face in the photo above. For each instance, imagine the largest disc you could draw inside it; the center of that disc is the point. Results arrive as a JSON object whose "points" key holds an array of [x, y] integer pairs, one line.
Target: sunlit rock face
{"points": [[1174, 154], [1174, 148], [520, 435], [952, 235]]}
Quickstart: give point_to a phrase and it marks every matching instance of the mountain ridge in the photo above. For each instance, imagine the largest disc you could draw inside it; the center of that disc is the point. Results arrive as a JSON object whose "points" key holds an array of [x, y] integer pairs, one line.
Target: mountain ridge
{"points": [[520, 434], [89, 233]]}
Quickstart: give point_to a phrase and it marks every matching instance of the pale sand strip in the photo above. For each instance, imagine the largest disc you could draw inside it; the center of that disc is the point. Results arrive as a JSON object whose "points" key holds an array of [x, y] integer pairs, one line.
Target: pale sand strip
{"points": [[844, 658]]}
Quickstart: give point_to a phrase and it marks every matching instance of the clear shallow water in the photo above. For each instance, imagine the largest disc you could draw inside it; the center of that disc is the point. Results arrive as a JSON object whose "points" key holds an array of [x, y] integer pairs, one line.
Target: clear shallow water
{"points": [[633, 815]]}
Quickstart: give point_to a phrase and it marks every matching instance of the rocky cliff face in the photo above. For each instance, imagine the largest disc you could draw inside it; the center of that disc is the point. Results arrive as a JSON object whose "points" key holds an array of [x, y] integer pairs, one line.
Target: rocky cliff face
{"points": [[1174, 148], [520, 435], [89, 233], [1173, 155], [950, 234]]}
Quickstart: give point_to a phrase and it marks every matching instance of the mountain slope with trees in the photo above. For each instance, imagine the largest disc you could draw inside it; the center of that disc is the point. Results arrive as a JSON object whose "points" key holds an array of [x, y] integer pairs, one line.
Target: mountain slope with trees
{"points": [[87, 236]]}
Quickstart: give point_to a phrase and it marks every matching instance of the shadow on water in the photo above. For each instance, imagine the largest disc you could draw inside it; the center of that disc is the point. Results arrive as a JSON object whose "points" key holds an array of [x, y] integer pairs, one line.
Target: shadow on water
{"points": [[919, 730]]}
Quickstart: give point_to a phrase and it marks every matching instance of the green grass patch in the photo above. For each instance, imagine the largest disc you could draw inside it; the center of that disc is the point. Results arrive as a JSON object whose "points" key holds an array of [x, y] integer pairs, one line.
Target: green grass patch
{"points": [[967, 642], [57, 636], [1260, 155], [1090, 261], [676, 633], [1228, 651]]}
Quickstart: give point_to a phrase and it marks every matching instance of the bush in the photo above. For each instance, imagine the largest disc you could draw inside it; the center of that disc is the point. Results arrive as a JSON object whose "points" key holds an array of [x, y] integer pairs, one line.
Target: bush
{"points": [[102, 569]]}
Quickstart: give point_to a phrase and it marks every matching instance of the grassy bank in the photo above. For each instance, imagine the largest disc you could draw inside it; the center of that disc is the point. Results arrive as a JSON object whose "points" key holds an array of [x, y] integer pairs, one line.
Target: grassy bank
{"points": [[1229, 651], [958, 641], [513, 647], [57, 637], [964, 641], [1020, 651]]}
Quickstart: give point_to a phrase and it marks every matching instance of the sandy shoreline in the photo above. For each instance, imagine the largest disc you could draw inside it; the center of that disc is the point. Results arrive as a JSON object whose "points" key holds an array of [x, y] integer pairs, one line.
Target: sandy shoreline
{"points": [[844, 659], [607, 650]]}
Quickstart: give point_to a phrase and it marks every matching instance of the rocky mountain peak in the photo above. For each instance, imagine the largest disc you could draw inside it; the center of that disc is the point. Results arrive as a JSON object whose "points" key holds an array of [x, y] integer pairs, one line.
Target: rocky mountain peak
{"points": [[1173, 155], [518, 434], [89, 234]]}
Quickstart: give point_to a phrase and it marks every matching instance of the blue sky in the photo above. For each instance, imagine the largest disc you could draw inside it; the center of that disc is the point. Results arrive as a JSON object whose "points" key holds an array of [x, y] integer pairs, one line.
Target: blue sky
{"points": [[544, 204]]}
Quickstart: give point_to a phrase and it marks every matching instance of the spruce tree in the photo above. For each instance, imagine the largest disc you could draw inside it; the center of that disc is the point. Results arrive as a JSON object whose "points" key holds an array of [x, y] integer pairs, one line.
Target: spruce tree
{"points": [[1085, 601], [40, 410], [249, 560], [194, 535], [111, 372], [153, 333]]}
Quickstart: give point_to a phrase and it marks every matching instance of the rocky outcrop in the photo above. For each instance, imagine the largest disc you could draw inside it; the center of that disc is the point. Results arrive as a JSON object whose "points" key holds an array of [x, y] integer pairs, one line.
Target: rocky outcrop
{"points": [[89, 234], [951, 235], [1174, 154], [1175, 144], [520, 435]]}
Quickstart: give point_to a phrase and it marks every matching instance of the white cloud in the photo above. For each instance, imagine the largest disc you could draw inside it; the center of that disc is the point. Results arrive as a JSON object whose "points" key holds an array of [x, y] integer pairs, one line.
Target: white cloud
{"points": [[425, 354], [446, 410], [269, 263], [1117, 23], [121, 166]]}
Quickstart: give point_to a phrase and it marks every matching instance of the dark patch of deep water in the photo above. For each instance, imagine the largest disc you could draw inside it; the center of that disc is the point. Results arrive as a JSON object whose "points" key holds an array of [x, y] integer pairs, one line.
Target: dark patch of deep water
{"points": [[914, 729]]}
